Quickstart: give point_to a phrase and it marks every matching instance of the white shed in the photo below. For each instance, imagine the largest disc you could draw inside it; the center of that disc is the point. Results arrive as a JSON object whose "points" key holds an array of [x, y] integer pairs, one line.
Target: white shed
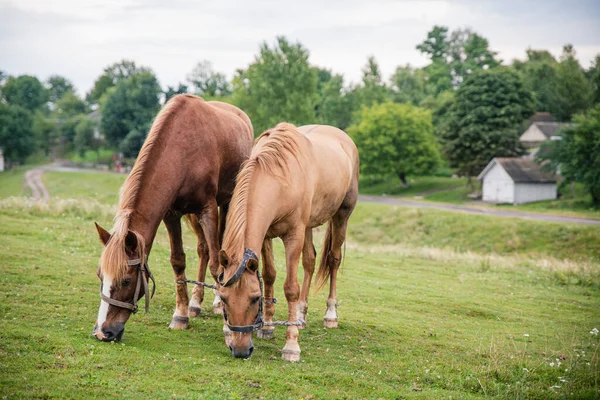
{"points": [[516, 181]]}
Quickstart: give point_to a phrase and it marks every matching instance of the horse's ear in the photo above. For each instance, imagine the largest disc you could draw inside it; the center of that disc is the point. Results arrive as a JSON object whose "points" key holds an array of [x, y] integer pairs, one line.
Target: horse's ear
{"points": [[131, 241], [223, 258], [102, 234], [253, 265]]}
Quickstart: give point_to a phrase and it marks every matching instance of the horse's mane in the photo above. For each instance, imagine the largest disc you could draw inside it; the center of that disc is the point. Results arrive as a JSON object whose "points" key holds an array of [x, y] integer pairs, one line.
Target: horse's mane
{"points": [[277, 146], [113, 262]]}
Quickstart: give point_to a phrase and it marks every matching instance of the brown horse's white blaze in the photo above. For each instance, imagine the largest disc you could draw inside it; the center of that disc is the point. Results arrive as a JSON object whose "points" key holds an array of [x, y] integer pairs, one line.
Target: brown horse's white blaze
{"points": [[186, 167], [296, 179], [103, 311]]}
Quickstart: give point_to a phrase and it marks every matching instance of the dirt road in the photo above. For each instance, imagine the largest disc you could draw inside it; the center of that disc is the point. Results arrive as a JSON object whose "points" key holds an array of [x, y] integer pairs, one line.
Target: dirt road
{"points": [[475, 210]]}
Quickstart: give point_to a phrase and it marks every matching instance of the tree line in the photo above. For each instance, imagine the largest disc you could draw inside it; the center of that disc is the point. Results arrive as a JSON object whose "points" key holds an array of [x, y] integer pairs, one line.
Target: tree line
{"points": [[462, 109]]}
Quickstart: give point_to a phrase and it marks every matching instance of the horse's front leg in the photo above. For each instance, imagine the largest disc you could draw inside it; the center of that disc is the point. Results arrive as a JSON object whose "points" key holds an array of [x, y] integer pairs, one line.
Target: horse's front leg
{"points": [[269, 274], [293, 248], [198, 291], [180, 318]]}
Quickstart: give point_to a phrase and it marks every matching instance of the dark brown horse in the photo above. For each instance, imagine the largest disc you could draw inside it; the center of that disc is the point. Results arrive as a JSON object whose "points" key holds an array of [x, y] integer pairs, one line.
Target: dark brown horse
{"points": [[187, 165]]}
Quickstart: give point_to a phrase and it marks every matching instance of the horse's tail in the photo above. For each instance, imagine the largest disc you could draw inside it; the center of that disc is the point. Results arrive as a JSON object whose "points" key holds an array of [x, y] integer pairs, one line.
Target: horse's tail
{"points": [[192, 222], [326, 266]]}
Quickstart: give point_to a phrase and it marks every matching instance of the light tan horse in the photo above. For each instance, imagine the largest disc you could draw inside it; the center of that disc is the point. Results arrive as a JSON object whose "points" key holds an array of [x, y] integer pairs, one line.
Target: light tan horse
{"points": [[296, 179], [187, 165]]}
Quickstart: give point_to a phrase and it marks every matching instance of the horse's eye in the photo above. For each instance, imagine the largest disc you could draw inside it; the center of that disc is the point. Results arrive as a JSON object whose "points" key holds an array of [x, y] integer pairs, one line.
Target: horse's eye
{"points": [[255, 299], [126, 282]]}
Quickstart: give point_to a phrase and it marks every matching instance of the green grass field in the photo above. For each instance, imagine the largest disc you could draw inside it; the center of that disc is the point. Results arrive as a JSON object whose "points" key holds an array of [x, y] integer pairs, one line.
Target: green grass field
{"points": [[391, 185], [432, 305]]}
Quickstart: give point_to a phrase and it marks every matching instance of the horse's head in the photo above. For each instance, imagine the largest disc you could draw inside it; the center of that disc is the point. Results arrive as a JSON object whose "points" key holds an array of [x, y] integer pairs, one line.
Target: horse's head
{"points": [[124, 276], [240, 289]]}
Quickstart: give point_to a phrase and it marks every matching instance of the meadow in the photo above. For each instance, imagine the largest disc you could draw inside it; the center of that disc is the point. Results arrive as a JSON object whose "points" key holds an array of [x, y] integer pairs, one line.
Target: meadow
{"points": [[432, 305]]}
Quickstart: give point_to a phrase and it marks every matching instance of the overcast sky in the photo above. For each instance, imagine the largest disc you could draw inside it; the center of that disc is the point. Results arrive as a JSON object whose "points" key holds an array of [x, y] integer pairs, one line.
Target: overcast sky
{"points": [[78, 38]]}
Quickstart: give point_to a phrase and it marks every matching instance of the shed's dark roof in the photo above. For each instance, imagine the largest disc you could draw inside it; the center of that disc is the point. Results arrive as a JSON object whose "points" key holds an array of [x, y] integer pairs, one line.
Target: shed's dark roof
{"points": [[550, 129], [525, 170]]}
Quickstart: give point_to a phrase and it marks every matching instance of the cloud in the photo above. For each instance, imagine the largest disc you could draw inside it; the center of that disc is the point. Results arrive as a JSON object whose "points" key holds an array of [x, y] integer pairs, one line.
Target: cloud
{"points": [[78, 39]]}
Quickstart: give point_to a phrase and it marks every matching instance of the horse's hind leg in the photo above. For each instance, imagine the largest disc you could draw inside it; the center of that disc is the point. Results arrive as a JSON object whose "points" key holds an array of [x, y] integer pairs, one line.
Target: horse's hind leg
{"points": [[269, 274], [202, 249], [180, 318], [332, 256], [308, 263], [209, 221]]}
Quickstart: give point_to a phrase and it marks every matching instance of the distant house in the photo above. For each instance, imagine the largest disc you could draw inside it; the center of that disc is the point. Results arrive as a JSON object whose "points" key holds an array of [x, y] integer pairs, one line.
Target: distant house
{"points": [[516, 181], [542, 127]]}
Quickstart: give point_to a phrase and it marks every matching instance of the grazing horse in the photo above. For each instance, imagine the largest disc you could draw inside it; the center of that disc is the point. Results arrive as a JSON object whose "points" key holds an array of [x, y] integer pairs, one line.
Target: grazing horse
{"points": [[296, 179], [187, 166]]}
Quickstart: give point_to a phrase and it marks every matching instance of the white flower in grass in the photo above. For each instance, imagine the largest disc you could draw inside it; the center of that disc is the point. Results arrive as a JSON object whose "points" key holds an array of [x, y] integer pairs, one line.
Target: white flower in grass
{"points": [[526, 334], [594, 332], [552, 364]]}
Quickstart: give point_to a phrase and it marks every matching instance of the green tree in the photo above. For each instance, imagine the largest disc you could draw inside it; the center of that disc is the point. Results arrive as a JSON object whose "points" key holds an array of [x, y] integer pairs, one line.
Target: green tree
{"points": [[58, 86], [410, 85], [455, 56], [279, 85], [131, 145], [469, 52], [439, 106], [131, 106], [25, 91], [44, 130], [172, 91], [208, 83], [335, 107], [84, 137], [395, 139], [436, 44], [485, 118], [572, 88], [17, 140], [112, 75], [594, 76], [577, 154], [539, 73], [372, 89], [69, 105]]}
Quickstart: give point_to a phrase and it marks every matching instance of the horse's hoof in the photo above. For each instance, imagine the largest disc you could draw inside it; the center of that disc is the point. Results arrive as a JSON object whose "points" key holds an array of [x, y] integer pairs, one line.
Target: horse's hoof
{"points": [[290, 355], [330, 323], [266, 334], [195, 311], [179, 322]]}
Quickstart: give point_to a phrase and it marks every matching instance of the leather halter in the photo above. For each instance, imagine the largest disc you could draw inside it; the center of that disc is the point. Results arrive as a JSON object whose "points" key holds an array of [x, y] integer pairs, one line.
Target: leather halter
{"points": [[141, 280], [259, 322]]}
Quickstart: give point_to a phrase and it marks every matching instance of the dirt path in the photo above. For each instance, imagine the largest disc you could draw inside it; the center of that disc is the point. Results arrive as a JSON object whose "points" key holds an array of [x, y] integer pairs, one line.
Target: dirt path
{"points": [[481, 211], [33, 179]]}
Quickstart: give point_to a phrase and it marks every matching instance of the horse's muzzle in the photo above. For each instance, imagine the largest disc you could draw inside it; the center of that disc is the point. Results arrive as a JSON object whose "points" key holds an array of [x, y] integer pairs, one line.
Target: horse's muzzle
{"points": [[242, 353], [112, 333]]}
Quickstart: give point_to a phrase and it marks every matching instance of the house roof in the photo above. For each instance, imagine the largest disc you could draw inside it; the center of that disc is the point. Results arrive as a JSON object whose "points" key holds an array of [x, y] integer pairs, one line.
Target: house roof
{"points": [[550, 129], [541, 117], [521, 170]]}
